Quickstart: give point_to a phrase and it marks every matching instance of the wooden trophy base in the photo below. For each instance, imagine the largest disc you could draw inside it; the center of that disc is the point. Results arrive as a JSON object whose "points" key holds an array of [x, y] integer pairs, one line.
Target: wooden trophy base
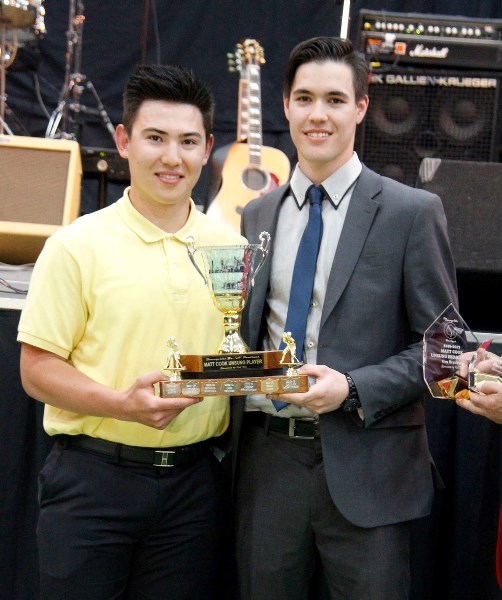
{"points": [[233, 375]]}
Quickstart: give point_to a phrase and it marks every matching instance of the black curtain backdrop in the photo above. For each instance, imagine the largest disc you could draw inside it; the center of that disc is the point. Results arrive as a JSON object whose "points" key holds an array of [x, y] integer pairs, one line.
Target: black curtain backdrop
{"points": [[453, 557], [118, 35]]}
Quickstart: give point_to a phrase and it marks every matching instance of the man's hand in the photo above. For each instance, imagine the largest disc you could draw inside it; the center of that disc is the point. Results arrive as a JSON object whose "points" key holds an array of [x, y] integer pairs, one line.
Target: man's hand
{"points": [[326, 394], [481, 360], [487, 403], [141, 405], [51, 379]]}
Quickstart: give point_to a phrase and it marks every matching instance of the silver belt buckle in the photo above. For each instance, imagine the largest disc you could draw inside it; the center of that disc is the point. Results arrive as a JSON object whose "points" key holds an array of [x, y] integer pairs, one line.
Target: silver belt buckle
{"points": [[162, 458], [292, 429]]}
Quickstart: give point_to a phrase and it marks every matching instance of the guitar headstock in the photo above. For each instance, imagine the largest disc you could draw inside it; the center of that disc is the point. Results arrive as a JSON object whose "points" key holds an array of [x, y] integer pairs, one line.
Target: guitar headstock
{"points": [[252, 52], [248, 52]]}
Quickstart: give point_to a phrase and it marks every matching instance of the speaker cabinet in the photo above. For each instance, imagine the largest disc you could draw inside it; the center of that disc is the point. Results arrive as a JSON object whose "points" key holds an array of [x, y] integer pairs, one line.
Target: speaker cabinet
{"points": [[471, 195], [420, 113], [39, 193]]}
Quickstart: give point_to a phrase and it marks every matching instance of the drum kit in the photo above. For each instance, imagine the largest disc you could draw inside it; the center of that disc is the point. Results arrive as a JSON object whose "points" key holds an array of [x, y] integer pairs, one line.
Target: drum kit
{"points": [[22, 19], [14, 16]]}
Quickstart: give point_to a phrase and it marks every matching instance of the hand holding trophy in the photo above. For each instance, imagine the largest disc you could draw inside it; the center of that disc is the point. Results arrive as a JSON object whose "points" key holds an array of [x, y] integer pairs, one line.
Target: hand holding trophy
{"points": [[229, 273]]}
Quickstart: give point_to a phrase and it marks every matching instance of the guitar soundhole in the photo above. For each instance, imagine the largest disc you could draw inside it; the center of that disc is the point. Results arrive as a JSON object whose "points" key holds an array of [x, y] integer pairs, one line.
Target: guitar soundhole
{"points": [[255, 179]]}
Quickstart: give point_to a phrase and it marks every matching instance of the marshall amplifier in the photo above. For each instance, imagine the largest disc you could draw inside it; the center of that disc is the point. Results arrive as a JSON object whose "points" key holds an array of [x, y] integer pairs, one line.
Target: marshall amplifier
{"points": [[436, 41]]}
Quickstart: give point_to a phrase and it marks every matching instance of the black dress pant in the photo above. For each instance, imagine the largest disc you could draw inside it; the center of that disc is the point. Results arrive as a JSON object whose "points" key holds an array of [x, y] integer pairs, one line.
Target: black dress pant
{"points": [[121, 530], [286, 519]]}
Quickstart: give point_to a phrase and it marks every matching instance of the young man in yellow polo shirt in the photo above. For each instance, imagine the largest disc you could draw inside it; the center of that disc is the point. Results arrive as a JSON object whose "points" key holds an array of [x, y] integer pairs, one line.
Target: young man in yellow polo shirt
{"points": [[107, 293]]}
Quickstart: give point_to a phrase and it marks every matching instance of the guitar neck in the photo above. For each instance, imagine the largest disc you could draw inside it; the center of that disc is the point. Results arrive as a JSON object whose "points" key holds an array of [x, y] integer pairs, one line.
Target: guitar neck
{"points": [[243, 109], [255, 138]]}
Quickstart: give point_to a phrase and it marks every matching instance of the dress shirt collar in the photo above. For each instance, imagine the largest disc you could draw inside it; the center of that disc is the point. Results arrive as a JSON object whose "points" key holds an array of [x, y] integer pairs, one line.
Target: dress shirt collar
{"points": [[335, 186]]}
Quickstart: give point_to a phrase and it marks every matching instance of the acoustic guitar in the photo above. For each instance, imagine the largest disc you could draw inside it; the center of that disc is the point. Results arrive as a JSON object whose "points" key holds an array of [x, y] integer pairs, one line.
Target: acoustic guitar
{"points": [[250, 169]]}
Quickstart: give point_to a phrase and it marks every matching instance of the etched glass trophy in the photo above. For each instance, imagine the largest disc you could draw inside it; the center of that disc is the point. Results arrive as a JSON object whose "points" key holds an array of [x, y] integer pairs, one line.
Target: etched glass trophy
{"points": [[444, 341]]}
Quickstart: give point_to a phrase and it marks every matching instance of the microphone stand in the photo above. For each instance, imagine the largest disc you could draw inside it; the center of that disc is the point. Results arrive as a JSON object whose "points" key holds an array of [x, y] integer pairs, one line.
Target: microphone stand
{"points": [[75, 83]]}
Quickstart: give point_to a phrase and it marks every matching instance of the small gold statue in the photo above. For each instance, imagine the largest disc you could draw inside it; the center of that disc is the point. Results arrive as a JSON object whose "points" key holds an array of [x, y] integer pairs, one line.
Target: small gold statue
{"points": [[174, 360], [290, 349]]}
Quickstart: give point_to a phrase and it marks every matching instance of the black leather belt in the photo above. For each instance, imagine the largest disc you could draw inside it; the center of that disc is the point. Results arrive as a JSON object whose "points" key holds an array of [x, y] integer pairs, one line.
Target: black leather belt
{"points": [[179, 456], [306, 428]]}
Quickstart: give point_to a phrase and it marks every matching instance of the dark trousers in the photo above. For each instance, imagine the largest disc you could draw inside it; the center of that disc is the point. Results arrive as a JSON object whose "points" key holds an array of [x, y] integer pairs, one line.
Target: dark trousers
{"points": [[286, 518], [124, 530]]}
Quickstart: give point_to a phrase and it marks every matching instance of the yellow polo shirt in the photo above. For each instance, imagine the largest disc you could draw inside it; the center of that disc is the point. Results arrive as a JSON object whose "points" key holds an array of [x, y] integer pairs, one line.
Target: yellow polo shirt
{"points": [[106, 294]]}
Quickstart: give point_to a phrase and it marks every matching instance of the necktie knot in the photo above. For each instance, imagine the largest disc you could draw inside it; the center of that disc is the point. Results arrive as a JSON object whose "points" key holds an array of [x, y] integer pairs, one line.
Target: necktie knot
{"points": [[315, 194]]}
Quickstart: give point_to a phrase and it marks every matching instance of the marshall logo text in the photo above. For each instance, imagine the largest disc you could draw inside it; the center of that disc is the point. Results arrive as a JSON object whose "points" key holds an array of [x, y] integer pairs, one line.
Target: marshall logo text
{"points": [[420, 51]]}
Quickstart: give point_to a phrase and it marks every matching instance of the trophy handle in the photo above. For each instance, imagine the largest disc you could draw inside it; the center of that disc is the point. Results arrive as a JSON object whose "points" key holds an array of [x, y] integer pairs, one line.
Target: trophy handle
{"points": [[191, 249], [264, 238]]}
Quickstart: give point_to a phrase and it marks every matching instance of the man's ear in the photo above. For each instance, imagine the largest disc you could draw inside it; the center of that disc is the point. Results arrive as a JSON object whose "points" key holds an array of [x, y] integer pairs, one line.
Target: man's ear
{"points": [[122, 140], [209, 147], [362, 107], [285, 102]]}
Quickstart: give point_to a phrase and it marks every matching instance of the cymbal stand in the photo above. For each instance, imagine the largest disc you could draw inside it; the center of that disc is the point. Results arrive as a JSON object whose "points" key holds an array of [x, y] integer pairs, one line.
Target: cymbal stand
{"points": [[5, 58], [75, 83]]}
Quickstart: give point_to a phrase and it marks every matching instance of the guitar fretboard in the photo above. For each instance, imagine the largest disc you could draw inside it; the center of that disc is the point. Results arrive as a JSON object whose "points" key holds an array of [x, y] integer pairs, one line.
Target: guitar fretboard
{"points": [[254, 121]]}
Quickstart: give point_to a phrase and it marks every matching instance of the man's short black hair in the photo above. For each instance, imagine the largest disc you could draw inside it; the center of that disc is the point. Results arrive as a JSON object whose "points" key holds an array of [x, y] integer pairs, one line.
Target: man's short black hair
{"points": [[171, 83], [323, 49]]}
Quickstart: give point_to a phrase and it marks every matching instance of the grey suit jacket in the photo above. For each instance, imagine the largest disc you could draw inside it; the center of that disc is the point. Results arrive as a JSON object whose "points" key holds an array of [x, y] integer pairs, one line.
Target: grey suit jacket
{"points": [[392, 275]]}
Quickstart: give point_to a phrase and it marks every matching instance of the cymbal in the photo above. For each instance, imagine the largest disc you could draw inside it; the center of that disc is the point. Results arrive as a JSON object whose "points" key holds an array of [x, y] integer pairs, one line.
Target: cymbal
{"points": [[16, 14]]}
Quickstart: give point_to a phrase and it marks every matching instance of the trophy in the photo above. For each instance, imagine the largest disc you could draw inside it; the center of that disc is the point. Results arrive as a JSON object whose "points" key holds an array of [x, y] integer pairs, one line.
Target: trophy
{"points": [[444, 341], [229, 273]]}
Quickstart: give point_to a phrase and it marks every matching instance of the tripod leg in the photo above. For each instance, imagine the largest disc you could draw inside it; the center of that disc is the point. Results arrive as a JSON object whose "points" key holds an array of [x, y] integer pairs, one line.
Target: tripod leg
{"points": [[101, 109], [15, 121], [54, 121], [4, 127]]}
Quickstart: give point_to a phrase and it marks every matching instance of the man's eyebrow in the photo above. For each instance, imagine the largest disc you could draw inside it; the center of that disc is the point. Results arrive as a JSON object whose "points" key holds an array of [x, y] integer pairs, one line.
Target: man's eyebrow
{"points": [[304, 91], [162, 132], [191, 134], [154, 130]]}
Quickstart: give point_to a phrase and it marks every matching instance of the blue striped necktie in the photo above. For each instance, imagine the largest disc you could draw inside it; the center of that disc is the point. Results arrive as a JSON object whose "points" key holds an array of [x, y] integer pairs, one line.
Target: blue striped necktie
{"points": [[302, 282]]}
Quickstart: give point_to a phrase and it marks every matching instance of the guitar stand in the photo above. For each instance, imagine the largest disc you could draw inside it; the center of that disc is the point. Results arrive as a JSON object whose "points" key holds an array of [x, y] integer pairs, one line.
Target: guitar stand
{"points": [[74, 85]]}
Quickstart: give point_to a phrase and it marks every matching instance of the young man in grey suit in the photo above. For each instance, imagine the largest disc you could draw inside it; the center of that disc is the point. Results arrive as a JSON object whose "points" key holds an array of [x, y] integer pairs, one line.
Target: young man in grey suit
{"points": [[344, 468]]}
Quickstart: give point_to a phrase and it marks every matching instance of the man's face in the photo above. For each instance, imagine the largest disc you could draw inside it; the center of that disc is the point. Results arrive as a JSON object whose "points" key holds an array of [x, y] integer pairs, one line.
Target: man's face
{"points": [[166, 151], [323, 113]]}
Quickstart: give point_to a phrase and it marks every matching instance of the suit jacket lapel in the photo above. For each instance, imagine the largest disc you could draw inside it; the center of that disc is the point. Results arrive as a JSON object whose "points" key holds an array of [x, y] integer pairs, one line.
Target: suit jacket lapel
{"points": [[362, 210], [266, 220]]}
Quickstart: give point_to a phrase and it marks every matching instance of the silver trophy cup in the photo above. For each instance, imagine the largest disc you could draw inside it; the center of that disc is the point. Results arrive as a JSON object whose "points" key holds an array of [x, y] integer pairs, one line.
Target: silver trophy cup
{"points": [[229, 273]]}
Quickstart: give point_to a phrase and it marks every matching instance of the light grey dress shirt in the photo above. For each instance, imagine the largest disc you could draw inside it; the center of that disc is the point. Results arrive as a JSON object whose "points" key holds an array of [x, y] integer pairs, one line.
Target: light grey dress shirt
{"points": [[292, 221]]}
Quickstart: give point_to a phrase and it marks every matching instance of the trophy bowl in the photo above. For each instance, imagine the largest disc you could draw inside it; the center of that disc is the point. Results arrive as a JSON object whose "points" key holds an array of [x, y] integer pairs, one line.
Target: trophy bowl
{"points": [[229, 273]]}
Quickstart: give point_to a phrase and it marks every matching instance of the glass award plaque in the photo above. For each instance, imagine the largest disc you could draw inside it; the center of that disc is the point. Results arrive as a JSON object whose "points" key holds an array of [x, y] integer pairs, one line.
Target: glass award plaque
{"points": [[444, 341]]}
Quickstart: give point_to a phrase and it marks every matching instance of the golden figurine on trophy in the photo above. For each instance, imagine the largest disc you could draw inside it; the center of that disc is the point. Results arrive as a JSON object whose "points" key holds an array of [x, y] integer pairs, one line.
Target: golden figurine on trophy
{"points": [[173, 362], [290, 350]]}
